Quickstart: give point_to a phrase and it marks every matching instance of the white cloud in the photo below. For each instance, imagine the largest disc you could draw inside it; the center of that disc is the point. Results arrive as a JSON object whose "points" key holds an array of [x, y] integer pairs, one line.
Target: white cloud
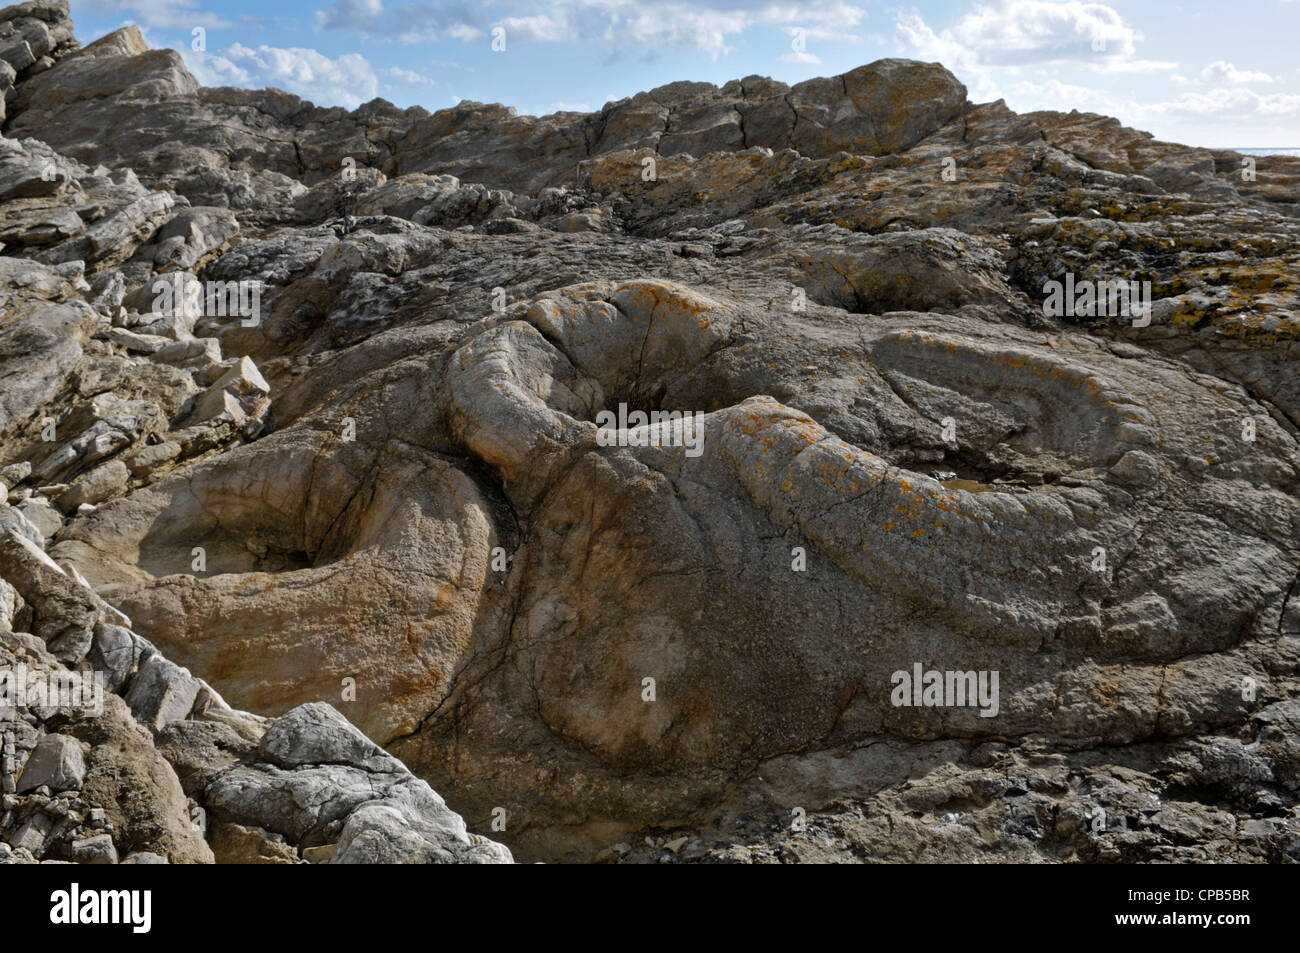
{"points": [[537, 28], [464, 32], [832, 21], [1222, 108], [351, 14], [798, 57], [1016, 32], [620, 25], [916, 33], [1231, 104], [1133, 66], [408, 76], [999, 45], [160, 14], [347, 80], [654, 30], [1027, 96], [1010, 34], [1224, 72]]}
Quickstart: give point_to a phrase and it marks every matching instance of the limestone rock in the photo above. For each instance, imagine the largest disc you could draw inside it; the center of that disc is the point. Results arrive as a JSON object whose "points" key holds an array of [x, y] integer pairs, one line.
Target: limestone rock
{"points": [[161, 693], [56, 763], [236, 844], [100, 484], [621, 470]]}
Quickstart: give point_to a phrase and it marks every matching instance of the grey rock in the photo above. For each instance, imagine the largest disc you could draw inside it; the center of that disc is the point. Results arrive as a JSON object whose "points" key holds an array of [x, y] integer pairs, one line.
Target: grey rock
{"points": [[188, 238], [144, 857], [43, 337], [197, 352], [411, 824], [907, 460], [139, 343], [97, 849], [57, 762], [14, 519], [160, 693], [15, 473], [325, 784], [239, 393], [316, 734], [40, 513], [145, 461], [114, 652], [102, 483], [31, 836]]}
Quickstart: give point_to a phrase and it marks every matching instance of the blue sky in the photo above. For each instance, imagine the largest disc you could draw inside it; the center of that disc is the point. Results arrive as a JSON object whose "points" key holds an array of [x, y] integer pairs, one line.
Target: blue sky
{"points": [[1209, 74]]}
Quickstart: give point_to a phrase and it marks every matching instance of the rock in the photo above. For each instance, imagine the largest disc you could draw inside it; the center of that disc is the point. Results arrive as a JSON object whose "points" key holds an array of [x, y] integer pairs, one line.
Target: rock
{"points": [[109, 289], [144, 857], [108, 241], [161, 693], [411, 825], [62, 606], [239, 393], [320, 855], [42, 227], [217, 402], [196, 352], [15, 520], [27, 174], [40, 513], [140, 343], [15, 473], [102, 483], [145, 461], [57, 763], [138, 790], [43, 336], [113, 651], [317, 734], [439, 200], [10, 855], [343, 790], [32, 835], [188, 239], [619, 471], [98, 849], [101, 426], [236, 844]]}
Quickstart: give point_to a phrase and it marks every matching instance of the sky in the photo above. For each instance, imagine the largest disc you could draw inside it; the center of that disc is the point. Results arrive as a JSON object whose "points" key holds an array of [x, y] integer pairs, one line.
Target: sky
{"points": [[1210, 74]]}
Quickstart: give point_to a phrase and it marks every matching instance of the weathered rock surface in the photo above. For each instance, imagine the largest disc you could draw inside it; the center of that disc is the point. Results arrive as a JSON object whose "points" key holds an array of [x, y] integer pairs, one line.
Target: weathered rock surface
{"points": [[112, 748], [303, 404]]}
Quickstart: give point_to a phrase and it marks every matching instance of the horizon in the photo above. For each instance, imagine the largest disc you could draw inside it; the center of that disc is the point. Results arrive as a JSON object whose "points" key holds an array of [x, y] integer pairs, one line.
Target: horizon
{"points": [[1152, 66]]}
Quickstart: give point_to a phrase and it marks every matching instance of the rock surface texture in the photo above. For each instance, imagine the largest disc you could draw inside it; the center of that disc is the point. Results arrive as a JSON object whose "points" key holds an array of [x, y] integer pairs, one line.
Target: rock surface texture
{"points": [[299, 408]]}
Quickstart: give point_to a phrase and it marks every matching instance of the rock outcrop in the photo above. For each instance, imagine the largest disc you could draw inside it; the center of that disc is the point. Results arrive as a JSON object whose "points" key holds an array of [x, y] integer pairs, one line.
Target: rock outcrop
{"points": [[107, 744], [610, 473]]}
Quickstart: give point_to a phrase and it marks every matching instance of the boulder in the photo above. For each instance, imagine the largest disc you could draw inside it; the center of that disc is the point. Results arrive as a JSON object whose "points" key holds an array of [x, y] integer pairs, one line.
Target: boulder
{"points": [[56, 763]]}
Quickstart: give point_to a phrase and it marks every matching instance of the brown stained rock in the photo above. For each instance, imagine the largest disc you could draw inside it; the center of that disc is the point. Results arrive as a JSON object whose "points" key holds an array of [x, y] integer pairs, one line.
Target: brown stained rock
{"points": [[394, 498], [393, 514], [237, 844], [138, 789], [56, 763]]}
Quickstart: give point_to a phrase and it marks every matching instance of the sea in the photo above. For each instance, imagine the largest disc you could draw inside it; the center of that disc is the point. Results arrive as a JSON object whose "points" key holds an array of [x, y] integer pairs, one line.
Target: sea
{"points": [[1269, 152]]}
